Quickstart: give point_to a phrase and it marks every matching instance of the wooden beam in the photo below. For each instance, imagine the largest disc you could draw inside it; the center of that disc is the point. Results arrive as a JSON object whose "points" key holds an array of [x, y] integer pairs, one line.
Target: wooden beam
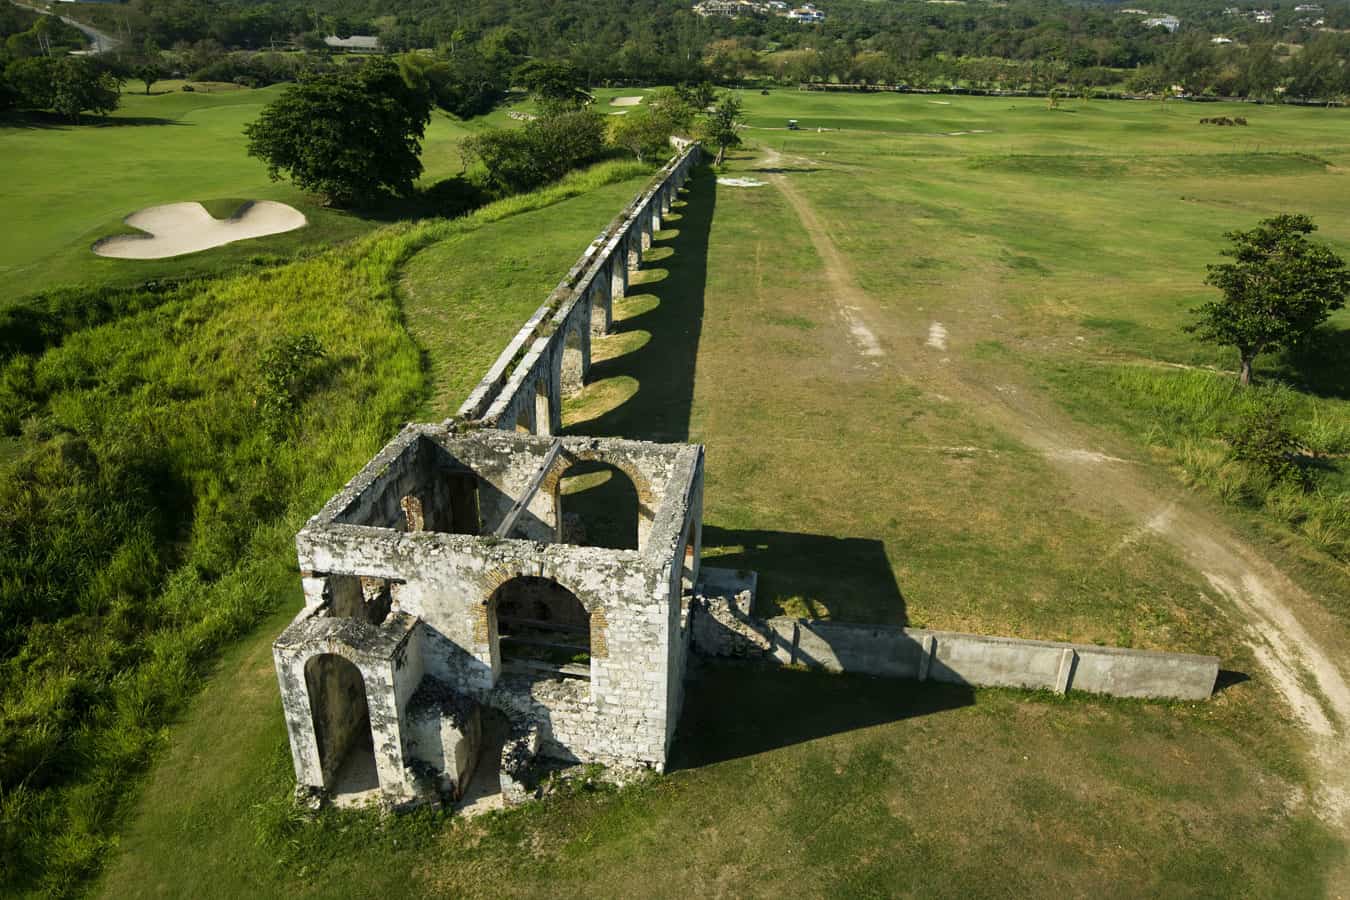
{"points": [[509, 522]]}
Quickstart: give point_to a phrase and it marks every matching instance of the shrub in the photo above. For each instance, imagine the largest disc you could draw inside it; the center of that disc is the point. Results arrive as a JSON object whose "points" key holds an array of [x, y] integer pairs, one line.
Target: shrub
{"points": [[545, 149], [1262, 437]]}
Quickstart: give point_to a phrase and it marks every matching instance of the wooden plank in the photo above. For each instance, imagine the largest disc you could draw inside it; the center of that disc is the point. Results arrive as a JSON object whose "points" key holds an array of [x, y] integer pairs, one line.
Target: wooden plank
{"points": [[509, 522], [540, 642], [541, 623], [533, 665]]}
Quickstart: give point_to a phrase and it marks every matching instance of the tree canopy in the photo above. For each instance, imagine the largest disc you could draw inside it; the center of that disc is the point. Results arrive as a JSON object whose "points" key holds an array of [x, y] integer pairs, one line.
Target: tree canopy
{"points": [[351, 135], [1278, 288]]}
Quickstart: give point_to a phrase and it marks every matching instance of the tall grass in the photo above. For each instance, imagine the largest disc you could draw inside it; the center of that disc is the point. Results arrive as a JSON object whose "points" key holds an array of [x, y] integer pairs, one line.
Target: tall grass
{"points": [[147, 516], [1191, 415]]}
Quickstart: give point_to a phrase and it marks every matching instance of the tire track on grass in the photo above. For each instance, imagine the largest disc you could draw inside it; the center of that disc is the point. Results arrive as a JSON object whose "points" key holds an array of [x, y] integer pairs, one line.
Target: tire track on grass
{"points": [[1281, 638]]}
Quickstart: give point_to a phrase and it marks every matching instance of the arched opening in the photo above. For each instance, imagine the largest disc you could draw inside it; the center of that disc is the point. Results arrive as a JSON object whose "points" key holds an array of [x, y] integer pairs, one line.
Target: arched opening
{"points": [[598, 506], [541, 628], [337, 701], [573, 372], [525, 419]]}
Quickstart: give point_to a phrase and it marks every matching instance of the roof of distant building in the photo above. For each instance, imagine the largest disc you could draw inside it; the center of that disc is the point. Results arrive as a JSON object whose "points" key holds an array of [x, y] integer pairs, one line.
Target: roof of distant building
{"points": [[355, 42]]}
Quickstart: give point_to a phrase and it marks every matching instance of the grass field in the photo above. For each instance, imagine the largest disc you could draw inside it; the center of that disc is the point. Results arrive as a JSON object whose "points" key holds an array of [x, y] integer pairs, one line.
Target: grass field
{"points": [[69, 186], [988, 475]]}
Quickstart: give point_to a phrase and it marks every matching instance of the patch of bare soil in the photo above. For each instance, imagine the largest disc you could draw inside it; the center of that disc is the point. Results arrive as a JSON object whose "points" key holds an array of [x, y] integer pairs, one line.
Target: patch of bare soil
{"points": [[1283, 623]]}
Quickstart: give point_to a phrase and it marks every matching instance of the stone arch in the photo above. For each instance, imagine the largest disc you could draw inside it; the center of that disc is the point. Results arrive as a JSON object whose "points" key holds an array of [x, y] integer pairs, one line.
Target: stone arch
{"points": [[642, 487], [598, 505], [537, 624], [340, 715]]}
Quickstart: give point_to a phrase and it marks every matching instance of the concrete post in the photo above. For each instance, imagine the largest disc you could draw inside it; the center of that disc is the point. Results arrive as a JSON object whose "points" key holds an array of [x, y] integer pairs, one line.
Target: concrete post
{"points": [[929, 644], [1065, 674]]}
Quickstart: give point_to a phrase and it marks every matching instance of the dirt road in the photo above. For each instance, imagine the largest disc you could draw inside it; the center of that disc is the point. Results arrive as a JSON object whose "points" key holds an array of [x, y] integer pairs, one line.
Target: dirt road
{"points": [[1281, 621]]}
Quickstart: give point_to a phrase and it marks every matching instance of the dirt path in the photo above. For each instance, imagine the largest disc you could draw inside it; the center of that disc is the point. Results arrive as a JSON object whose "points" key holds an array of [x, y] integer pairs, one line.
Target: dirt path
{"points": [[1281, 621], [99, 42]]}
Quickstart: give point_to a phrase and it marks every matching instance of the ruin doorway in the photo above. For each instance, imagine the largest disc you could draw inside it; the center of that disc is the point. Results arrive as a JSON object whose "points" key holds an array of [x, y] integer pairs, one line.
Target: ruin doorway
{"points": [[341, 715], [599, 506], [542, 628]]}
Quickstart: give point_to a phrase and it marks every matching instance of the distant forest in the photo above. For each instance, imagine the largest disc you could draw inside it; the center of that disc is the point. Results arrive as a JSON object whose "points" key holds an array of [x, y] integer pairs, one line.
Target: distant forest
{"points": [[1021, 45]]}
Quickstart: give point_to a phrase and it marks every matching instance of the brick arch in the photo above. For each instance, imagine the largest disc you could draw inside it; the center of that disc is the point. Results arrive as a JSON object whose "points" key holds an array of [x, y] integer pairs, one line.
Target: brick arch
{"points": [[646, 497], [491, 583]]}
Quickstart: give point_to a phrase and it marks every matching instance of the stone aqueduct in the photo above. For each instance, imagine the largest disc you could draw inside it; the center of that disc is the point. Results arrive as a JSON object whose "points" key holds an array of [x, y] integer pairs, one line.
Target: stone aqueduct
{"points": [[444, 592]]}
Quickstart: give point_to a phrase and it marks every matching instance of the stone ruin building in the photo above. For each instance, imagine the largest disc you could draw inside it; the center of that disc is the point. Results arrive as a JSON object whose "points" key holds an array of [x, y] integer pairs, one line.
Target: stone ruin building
{"points": [[445, 589], [440, 582]]}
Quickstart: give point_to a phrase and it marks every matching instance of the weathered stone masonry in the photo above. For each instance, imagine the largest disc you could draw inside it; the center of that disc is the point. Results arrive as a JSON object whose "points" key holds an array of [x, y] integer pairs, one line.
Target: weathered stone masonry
{"points": [[440, 582]]}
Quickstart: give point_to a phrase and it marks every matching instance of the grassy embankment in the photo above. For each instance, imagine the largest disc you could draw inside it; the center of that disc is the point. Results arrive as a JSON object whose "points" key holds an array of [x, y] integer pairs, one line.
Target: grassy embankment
{"points": [[864, 493], [147, 515]]}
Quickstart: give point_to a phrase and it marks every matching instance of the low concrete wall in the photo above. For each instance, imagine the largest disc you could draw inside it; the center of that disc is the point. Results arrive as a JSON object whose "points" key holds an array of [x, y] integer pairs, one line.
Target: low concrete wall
{"points": [[723, 627]]}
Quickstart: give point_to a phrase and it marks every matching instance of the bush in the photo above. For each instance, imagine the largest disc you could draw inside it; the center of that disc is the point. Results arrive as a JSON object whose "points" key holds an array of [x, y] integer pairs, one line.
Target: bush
{"points": [[1261, 436], [545, 149]]}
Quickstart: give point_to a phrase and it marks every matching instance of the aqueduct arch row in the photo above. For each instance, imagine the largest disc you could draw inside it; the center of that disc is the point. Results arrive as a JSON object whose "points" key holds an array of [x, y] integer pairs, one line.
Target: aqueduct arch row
{"points": [[453, 576]]}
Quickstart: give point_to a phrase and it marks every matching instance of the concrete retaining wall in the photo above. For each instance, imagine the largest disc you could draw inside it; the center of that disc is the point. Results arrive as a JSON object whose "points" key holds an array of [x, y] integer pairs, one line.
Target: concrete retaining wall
{"points": [[722, 627]]}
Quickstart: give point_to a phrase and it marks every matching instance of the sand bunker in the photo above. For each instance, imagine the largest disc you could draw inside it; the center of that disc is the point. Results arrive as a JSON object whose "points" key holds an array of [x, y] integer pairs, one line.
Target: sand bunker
{"points": [[175, 229], [625, 101]]}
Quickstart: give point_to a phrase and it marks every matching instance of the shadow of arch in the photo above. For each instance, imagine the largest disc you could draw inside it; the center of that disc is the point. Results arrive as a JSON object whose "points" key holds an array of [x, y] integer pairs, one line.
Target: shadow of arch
{"points": [[341, 713], [599, 506], [659, 410], [601, 396]]}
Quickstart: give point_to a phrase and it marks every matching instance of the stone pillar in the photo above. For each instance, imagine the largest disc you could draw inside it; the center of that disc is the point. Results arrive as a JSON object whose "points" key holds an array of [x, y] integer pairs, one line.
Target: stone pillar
{"points": [[647, 228], [665, 198], [633, 243], [655, 219], [618, 271], [602, 310]]}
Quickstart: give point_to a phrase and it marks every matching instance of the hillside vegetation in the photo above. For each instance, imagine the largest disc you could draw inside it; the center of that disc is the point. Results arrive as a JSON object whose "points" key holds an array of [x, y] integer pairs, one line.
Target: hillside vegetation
{"points": [[150, 490]]}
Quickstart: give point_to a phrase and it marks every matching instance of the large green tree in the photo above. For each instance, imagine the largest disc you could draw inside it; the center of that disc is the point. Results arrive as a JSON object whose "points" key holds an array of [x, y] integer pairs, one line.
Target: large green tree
{"points": [[1278, 287], [722, 126], [69, 85], [352, 135]]}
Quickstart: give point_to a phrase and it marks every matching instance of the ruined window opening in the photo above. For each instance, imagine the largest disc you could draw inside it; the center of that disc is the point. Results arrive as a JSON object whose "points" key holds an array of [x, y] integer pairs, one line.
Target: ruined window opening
{"points": [[542, 628], [462, 498], [360, 597], [598, 506], [523, 423], [689, 563], [341, 715]]}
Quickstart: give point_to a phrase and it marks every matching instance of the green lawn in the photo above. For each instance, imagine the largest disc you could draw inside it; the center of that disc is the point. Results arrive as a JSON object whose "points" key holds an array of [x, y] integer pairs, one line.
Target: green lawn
{"points": [[67, 186], [1058, 251]]}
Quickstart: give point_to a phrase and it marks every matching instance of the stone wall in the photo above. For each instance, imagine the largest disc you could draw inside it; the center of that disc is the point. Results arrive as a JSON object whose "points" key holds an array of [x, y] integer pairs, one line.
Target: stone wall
{"points": [[723, 626], [549, 357]]}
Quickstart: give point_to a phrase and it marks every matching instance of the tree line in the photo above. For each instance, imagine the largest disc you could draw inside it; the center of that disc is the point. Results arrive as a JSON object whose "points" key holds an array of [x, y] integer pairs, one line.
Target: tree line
{"points": [[1023, 44]]}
